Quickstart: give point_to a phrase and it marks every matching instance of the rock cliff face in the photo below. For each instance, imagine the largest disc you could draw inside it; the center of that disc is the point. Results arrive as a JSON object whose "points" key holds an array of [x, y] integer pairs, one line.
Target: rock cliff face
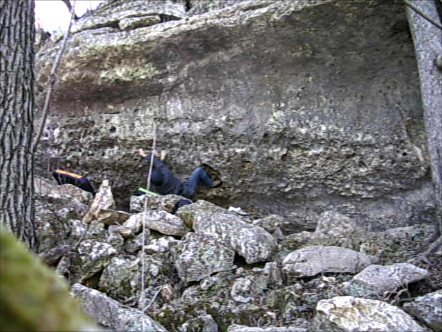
{"points": [[292, 101]]}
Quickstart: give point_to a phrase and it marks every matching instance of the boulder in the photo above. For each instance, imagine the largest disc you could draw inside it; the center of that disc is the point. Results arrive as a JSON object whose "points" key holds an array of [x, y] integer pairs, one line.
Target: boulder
{"points": [[377, 281], [296, 240], [112, 314], [102, 200], [241, 291], [130, 15], [133, 245], [251, 242], [119, 278], [111, 217], [335, 229], [160, 221], [352, 314], [95, 256], [428, 309], [166, 203], [242, 328], [161, 245], [204, 323], [312, 260], [201, 255]]}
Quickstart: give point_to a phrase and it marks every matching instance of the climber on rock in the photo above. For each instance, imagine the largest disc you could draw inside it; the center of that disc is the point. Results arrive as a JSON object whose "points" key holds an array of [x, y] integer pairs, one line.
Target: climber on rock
{"points": [[164, 182], [82, 182]]}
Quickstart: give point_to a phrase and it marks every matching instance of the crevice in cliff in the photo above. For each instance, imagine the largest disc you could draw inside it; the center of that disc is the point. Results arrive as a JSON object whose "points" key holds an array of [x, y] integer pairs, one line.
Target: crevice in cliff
{"points": [[188, 5]]}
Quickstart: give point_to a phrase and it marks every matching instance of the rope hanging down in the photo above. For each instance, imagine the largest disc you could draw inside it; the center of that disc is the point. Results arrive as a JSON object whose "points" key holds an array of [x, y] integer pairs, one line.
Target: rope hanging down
{"points": [[141, 300]]}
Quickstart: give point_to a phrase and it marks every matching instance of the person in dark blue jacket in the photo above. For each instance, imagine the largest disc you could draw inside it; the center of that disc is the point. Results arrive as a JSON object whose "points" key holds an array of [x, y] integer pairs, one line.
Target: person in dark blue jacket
{"points": [[165, 182]]}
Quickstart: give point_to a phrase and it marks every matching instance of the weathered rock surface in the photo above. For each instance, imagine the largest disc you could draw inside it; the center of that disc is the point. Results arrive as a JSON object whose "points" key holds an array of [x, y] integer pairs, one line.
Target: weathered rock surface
{"points": [[377, 281], [103, 200], [202, 255], [119, 278], [312, 260], [130, 15], [346, 313], [111, 217], [160, 221], [335, 229], [112, 314], [167, 203], [428, 309], [240, 328], [94, 256], [306, 114], [251, 242]]}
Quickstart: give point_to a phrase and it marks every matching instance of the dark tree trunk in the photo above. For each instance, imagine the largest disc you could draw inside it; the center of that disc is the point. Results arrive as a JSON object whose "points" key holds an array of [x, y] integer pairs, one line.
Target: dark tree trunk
{"points": [[17, 33]]}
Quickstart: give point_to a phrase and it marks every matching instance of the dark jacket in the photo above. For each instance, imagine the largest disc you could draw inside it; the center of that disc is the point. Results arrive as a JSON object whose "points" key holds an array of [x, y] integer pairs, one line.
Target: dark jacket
{"points": [[163, 180]]}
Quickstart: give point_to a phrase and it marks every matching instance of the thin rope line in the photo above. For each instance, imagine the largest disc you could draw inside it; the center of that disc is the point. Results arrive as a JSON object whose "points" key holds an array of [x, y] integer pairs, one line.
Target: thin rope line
{"points": [[141, 301], [424, 15]]}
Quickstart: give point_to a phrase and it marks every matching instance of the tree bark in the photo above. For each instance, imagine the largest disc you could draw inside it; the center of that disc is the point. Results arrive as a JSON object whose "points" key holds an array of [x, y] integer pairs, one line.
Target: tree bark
{"points": [[17, 33], [427, 40]]}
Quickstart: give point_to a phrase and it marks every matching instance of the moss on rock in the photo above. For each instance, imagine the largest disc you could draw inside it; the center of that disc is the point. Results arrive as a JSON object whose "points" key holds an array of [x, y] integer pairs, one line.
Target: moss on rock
{"points": [[32, 297]]}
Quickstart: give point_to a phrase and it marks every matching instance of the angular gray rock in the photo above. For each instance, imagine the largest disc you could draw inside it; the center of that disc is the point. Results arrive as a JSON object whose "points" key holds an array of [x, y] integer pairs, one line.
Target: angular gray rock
{"points": [[312, 260], [119, 278], [161, 245], [251, 242], [95, 256], [133, 245], [201, 255], [242, 328], [160, 221], [203, 323], [335, 229], [167, 203], [376, 281], [104, 199], [111, 217], [130, 14], [352, 314], [428, 309], [112, 314], [241, 291]]}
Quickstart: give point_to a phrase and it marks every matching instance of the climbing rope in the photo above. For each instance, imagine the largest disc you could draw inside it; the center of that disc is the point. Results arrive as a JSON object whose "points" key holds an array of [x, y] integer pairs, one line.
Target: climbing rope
{"points": [[141, 301]]}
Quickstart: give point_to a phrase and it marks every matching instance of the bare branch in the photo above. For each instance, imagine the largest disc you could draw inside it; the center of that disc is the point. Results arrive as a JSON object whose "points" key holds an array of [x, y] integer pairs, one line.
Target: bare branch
{"points": [[52, 79], [70, 8]]}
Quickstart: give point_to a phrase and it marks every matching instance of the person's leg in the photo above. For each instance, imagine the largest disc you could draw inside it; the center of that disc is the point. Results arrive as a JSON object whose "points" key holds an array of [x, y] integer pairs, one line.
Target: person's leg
{"points": [[198, 177]]}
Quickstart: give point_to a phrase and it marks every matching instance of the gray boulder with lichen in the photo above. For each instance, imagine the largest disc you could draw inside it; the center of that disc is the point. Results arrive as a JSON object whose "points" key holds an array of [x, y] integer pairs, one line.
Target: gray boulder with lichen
{"points": [[428, 309], [377, 281], [249, 241], [312, 260], [112, 314], [351, 314], [201, 255]]}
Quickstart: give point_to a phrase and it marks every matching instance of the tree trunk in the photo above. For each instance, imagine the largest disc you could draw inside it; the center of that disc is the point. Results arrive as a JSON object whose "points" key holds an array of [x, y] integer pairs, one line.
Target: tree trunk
{"points": [[17, 33], [427, 40]]}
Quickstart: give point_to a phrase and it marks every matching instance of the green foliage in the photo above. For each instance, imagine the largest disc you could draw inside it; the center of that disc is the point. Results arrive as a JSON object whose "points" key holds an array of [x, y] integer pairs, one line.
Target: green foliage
{"points": [[32, 297]]}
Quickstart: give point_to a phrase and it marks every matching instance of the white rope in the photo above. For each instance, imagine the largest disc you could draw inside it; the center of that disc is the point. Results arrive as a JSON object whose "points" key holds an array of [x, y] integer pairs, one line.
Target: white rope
{"points": [[141, 301]]}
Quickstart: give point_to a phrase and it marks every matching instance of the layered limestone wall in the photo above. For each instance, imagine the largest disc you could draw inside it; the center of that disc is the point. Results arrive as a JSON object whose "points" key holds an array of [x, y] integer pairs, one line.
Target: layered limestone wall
{"points": [[301, 105]]}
